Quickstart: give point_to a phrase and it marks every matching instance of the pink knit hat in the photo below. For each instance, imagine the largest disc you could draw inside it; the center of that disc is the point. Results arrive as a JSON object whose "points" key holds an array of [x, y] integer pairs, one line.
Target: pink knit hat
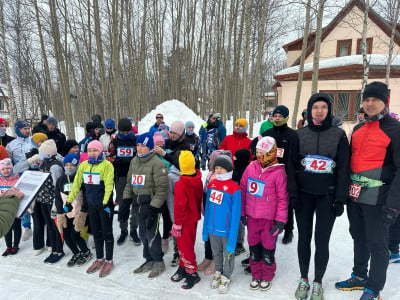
{"points": [[158, 138], [83, 157], [177, 127], [95, 144]]}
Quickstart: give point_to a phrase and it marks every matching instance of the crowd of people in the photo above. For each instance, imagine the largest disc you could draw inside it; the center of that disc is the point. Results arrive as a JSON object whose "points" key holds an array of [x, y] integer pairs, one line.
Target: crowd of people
{"points": [[261, 185]]}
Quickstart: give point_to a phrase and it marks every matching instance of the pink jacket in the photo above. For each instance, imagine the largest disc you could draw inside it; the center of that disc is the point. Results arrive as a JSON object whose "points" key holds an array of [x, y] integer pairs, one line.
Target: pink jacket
{"points": [[264, 194]]}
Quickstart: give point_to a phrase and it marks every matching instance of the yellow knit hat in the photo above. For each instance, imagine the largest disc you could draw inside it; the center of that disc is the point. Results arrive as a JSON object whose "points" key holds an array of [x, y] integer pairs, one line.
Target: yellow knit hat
{"points": [[242, 122], [39, 138], [187, 163]]}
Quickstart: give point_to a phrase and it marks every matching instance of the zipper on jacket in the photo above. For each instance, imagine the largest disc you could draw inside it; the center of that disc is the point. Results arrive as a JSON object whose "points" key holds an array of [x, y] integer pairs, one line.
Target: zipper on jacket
{"points": [[317, 142]]}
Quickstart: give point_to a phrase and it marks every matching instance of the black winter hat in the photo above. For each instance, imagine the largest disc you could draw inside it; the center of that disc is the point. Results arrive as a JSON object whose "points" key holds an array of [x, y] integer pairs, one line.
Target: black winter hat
{"points": [[124, 124], [378, 90], [242, 158], [68, 145], [90, 126], [281, 109], [223, 161], [96, 118], [320, 97]]}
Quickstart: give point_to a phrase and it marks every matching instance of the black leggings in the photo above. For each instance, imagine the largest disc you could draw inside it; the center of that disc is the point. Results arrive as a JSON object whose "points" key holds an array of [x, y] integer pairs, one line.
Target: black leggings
{"points": [[73, 238], [16, 229], [101, 224], [321, 206], [167, 223], [394, 237]]}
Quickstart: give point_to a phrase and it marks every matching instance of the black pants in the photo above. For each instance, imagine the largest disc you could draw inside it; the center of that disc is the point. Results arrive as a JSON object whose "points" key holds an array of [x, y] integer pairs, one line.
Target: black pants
{"points": [[289, 226], [167, 223], [394, 237], [370, 236], [101, 224], [16, 229], [132, 207], [321, 206], [73, 238], [150, 236]]}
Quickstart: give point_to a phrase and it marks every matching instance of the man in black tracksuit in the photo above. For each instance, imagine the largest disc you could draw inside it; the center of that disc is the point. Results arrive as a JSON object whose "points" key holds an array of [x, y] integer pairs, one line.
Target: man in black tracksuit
{"points": [[374, 192]]}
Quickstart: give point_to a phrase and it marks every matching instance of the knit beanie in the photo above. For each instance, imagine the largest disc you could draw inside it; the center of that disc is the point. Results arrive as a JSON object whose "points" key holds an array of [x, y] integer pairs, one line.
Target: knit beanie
{"points": [[39, 137], [69, 144], [145, 139], [177, 127], [83, 157], [3, 122], [215, 154], [158, 138], [266, 143], [90, 126], [187, 163], [187, 125], [223, 161], [242, 158], [18, 126], [124, 124], [162, 126], [243, 123], [48, 148], [165, 134], [52, 120], [95, 144], [6, 162], [378, 90], [281, 109], [109, 123], [71, 158]]}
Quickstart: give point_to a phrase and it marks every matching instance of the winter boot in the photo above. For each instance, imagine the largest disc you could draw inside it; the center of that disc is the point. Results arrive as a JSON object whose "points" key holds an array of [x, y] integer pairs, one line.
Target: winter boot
{"points": [[351, 284], [49, 258], [133, 236], [175, 259], [106, 269], [394, 258], [179, 274], [84, 258], [265, 285], [146, 267], [158, 268], [224, 285], [239, 249], [246, 262], [216, 280], [27, 234], [96, 266], [255, 284], [56, 258], [317, 291], [370, 295], [74, 259], [14, 250], [122, 237], [7, 252], [287, 237], [191, 280], [204, 264], [302, 289], [211, 269]]}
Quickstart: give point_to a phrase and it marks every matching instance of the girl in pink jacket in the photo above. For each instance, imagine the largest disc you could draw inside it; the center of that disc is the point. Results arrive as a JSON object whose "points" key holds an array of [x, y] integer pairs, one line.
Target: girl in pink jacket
{"points": [[264, 210]]}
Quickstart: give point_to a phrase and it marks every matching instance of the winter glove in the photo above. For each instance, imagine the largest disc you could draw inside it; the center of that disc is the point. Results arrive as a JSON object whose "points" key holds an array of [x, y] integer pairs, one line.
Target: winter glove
{"points": [[31, 153], [80, 221], [277, 228], [33, 159], [337, 208], [176, 230], [243, 220], [67, 207], [389, 215], [61, 222]]}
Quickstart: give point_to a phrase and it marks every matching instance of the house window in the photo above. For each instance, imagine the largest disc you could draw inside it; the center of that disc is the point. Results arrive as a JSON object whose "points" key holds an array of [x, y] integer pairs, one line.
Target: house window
{"points": [[369, 45], [345, 104], [343, 48]]}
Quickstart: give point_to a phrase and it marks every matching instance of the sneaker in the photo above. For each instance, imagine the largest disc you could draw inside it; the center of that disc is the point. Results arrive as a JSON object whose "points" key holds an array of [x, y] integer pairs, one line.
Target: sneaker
{"points": [[49, 258], [133, 236], [265, 285], [317, 292], [239, 249], [255, 284], [27, 234], [394, 258], [106, 269], [179, 274], [210, 270], [146, 267], [246, 262], [14, 250], [287, 237], [121, 239], [351, 284], [7, 252], [175, 260], [191, 280], [38, 252], [84, 258], [96, 266], [204, 264], [247, 270], [302, 289], [370, 295], [165, 245], [224, 285], [74, 259], [56, 258], [157, 269], [216, 280]]}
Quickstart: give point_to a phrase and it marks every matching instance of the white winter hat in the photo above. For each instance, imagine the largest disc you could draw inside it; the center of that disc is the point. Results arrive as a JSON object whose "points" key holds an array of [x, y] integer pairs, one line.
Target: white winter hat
{"points": [[266, 143]]}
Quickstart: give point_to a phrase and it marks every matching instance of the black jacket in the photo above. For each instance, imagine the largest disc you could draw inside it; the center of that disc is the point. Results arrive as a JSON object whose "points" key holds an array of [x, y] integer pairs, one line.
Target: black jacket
{"points": [[58, 137], [4, 140]]}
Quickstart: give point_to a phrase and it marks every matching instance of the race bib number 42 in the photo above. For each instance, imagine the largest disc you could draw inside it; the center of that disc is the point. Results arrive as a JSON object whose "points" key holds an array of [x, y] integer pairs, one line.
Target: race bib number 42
{"points": [[125, 151], [255, 187], [138, 180], [216, 197], [318, 164], [354, 190], [91, 178]]}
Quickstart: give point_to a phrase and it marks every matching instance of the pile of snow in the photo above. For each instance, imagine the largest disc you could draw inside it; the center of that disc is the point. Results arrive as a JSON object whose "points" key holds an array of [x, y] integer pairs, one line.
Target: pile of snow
{"points": [[172, 110]]}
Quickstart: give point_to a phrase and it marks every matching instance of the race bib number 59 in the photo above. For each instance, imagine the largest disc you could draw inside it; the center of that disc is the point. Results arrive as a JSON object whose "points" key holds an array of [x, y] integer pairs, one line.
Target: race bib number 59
{"points": [[125, 151], [255, 187]]}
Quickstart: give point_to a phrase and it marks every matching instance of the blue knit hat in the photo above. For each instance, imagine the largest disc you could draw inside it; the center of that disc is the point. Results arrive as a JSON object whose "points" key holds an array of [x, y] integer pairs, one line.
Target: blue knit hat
{"points": [[71, 158], [18, 126], [109, 123], [145, 139], [52, 120], [187, 125]]}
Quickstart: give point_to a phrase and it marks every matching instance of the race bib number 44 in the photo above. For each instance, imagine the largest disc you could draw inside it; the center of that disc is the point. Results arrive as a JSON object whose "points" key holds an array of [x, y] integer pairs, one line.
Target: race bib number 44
{"points": [[138, 180], [216, 197], [125, 151], [255, 187], [318, 164], [91, 178]]}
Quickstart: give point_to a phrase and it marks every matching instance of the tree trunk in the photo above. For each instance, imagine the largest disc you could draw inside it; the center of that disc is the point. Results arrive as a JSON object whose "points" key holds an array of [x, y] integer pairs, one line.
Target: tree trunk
{"points": [[317, 47]]}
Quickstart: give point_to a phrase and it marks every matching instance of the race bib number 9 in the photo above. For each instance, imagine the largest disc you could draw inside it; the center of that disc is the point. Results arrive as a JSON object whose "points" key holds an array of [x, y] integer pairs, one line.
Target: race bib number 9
{"points": [[255, 187], [318, 164], [280, 152], [216, 197], [354, 190], [138, 180], [125, 151], [4, 189], [91, 178]]}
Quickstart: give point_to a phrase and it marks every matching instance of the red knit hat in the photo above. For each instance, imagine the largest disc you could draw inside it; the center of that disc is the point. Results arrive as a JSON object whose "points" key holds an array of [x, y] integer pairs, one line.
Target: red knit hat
{"points": [[3, 122]]}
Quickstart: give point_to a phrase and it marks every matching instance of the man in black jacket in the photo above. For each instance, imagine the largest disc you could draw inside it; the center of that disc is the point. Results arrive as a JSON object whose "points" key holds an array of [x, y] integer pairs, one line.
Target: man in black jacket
{"points": [[55, 134]]}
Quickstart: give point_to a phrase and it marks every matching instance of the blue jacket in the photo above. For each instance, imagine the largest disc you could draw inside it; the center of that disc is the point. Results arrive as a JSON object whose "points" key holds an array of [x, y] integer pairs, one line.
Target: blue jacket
{"points": [[153, 129], [222, 211]]}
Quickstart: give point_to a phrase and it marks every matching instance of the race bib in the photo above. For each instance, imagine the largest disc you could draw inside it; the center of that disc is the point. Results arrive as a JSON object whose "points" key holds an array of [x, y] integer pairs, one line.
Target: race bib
{"points": [[354, 190], [4, 189], [138, 180], [280, 152], [216, 197], [191, 147], [68, 187], [318, 164], [91, 178], [125, 151], [255, 187]]}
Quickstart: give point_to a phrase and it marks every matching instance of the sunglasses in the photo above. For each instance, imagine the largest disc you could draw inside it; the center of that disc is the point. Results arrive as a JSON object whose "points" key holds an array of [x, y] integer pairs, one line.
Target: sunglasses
{"points": [[159, 118]]}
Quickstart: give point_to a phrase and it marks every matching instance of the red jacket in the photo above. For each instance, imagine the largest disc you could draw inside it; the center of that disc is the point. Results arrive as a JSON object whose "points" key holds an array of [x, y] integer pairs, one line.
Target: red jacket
{"points": [[188, 196], [235, 142]]}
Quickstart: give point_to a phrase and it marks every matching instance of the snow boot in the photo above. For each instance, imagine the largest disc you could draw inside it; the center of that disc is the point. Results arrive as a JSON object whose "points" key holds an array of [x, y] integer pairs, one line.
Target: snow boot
{"points": [[255, 284], [56, 258], [158, 268], [74, 259], [302, 289], [122, 238], [265, 285], [145, 267], [96, 266], [317, 292], [133, 236], [84, 258], [351, 284], [49, 258], [370, 295], [179, 274], [191, 280], [106, 269]]}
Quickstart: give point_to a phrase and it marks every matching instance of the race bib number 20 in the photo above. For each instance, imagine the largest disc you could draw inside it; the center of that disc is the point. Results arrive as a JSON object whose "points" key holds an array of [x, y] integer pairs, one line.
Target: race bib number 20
{"points": [[138, 180]]}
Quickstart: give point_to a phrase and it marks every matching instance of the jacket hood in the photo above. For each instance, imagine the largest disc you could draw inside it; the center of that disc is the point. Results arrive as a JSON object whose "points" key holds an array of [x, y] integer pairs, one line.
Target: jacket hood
{"points": [[328, 120]]}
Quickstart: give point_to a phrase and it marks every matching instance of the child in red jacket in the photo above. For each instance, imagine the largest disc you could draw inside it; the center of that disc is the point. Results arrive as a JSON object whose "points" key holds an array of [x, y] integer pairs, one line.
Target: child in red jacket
{"points": [[188, 194]]}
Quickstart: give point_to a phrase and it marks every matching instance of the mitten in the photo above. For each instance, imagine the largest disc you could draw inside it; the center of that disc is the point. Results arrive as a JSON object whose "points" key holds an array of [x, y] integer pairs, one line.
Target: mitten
{"points": [[176, 230], [277, 228], [243, 220], [338, 208], [80, 221], [389, 215], [61, 222], [67, 207], [33, 159]]}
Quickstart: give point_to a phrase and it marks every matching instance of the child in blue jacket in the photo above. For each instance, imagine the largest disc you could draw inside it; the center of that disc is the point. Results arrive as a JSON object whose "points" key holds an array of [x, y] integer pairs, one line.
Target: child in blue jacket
{"points": [[221, 221]]}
